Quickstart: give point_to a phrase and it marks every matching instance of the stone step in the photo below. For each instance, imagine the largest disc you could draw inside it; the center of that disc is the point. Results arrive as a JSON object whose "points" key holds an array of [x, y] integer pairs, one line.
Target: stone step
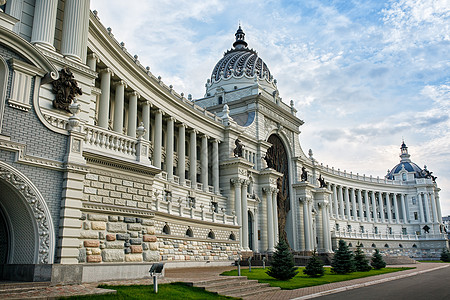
{"points": [[20, 287], [252, 292], [215, 280], [399, 260], [224, 283], [233, 285], [241, 288]]}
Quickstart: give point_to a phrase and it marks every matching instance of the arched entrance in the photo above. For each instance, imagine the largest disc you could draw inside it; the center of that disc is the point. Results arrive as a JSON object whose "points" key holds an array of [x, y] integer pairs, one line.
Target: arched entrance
{"points": [[277, 158], [27, 229]]}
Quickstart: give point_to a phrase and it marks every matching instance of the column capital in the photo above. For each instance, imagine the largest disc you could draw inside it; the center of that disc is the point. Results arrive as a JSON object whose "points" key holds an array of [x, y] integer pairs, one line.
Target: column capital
{"points": [[159, 111], [134, 93], [181, 124], [245, 182], [147, 102], [120, 82], [204, 135], [214, 140], [190, 130], [106, 70], [170, 118], [236, 181], [93, 55]]}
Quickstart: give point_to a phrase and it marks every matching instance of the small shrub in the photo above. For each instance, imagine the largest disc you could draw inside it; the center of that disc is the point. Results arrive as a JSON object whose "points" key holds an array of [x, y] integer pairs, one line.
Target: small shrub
{"points": [[343, 262], [361, 262], [282, 265], [445, 255], [377, 260], [314, 268]]}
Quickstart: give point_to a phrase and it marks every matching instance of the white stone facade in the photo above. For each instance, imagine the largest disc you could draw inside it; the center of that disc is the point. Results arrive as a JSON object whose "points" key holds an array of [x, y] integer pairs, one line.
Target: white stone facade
{"points": [[146, 174]]}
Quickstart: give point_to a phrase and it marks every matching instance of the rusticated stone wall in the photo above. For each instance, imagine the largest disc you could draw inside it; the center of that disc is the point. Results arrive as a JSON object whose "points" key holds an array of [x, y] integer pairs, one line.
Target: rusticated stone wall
{"points": [[113, 238]]}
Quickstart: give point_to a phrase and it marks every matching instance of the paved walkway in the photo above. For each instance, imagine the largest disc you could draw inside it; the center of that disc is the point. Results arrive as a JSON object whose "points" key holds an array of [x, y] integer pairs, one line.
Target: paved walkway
{"points": [[198, 274]]}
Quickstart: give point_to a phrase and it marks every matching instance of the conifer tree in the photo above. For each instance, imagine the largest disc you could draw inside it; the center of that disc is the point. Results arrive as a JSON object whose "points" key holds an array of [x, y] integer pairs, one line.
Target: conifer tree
{"points": [[314, 267], [343, 262], [445, 255], [361, 262], [282, 265], [377, 260]]}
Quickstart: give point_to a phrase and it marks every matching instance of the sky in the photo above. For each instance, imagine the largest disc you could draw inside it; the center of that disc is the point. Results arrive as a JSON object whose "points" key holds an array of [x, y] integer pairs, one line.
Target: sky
{"points": [[364, 75]]}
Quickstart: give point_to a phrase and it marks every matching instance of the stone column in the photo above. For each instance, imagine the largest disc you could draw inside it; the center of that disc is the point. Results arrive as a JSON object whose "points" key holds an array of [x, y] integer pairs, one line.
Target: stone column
{"points": [[380, 201], [388, 207], [92, 61], [275, 216], [215, 166], [73, 27], [405, 216], [193, 158], [306, 220], [353, 196], [244, 215], [181, 153], [255, 231], [422, 216], [146, 118], [335, 200], [119, 106], [366, 197], [270, 240], [204, 162], [347, 203], [397, 218], [103, 110], [360, 206], [341, 203], [330, 201], [433, 206], [438, 205], [427, 208], [44, 22], [169, 148], [132, 114], [237, 205], [157, 147], [374, 207]]}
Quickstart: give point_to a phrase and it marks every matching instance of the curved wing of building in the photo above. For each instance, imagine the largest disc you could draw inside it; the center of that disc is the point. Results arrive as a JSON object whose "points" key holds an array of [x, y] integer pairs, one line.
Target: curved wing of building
{"points": [[105, 169]]}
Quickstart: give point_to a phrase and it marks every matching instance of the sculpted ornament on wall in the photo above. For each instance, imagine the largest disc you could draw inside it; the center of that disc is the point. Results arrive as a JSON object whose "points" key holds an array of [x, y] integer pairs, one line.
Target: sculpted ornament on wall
{"points": [[65, 89]]}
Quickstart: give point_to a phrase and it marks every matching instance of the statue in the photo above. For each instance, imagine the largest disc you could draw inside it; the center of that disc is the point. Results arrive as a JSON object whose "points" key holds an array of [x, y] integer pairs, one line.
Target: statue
{"points": [[426, 229], [322, 182], [427, 174], [65, 89], [238, 150], [304, 176]]}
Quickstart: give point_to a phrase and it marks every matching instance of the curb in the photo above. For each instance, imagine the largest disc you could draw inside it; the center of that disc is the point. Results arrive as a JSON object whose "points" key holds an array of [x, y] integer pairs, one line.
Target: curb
{"points": [[359, 285]]}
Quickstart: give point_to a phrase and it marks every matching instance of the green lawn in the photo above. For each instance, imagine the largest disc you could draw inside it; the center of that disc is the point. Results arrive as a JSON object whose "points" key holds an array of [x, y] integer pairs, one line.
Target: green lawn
{"points": [[177, 290], [433, 261], [301, 280]]}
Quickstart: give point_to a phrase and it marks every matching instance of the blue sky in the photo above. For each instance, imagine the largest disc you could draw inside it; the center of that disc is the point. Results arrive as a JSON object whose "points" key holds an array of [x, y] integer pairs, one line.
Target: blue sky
{"points": [[363, 74]]}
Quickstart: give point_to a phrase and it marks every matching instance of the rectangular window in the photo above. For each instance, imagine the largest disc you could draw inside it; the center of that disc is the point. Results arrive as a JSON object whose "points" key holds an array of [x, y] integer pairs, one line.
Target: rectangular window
{"points": [[414, 200], [390, 230], [416, 216], [404, 232], [361, 228], [376, 229], [191, 202], [349, 228], [337, 227]]}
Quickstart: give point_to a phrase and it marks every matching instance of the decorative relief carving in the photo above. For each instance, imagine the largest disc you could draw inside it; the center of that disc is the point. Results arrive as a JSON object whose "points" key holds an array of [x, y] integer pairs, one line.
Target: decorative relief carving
{"points": [[38, 207], [65, 89]]}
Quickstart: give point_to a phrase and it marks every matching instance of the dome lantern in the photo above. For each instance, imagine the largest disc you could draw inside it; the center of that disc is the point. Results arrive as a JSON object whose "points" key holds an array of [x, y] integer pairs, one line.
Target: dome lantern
{"points": [[240, 39]]}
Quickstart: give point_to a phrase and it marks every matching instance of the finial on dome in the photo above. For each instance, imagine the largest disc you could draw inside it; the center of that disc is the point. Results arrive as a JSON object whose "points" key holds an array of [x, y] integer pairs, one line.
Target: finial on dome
{"points": [[240, 38]]}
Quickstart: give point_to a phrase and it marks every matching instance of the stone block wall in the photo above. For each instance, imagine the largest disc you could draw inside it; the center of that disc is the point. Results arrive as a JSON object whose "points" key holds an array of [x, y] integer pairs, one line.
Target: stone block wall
{"points": [[117, 238]]}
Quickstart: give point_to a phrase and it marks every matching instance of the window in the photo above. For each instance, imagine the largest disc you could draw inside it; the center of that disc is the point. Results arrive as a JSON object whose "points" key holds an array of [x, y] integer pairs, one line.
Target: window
{"points": [[374, 246], [232, 236], [166, 229], [337, 227], [416, 216], [211, 235], [414, 246], [386, 245], [414, 200], [361, 229], [404, 176], [215, 207], [168, 196], [220, 99], [191, 202], [189, 232], [404, 232], [350, 244], [376, 229], [400, 245], [390, 230], [349, 228]]}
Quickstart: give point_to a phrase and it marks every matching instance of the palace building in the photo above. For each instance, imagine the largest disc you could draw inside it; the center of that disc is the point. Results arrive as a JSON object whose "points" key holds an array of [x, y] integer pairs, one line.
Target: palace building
{"points": [[105, 169]]}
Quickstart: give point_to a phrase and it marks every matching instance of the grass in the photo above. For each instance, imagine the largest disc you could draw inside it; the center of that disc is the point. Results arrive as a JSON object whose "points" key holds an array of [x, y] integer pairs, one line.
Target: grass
{"points": [[176, 290], [301, 280], [433, 261]]}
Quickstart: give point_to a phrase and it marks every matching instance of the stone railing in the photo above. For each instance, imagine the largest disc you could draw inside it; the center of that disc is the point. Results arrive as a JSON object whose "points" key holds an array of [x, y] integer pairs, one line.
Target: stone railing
{"points": [[109, 141], [199, 212], [386, 236]]}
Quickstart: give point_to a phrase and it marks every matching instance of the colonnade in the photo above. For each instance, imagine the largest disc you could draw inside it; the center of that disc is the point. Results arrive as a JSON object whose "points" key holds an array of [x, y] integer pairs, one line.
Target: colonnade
{"points": [[74, 28], [272, 217], [380, 207]]}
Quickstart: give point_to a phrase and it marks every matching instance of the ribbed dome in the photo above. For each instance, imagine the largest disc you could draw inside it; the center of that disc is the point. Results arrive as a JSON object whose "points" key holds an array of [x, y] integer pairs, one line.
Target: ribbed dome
{"points": [[409, 167], [239, 61]]}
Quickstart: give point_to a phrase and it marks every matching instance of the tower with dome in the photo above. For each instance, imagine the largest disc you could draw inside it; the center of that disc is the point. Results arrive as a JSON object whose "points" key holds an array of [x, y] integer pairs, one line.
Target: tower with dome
{"points": [[106, 169]]}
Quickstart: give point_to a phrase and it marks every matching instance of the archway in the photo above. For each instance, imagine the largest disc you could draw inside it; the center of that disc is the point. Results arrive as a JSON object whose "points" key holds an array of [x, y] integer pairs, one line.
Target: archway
{"points": [[277, 158], [28, 232]]}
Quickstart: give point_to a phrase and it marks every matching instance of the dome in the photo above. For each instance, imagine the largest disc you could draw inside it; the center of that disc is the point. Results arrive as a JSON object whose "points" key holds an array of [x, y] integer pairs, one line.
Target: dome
{"points": [[405, 164], [240, 67]]}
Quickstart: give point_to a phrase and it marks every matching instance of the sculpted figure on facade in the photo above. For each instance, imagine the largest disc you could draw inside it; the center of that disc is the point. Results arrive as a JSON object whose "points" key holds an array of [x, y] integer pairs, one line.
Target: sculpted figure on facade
{"points": [[304, 176], [238, 149], [65, 89]]}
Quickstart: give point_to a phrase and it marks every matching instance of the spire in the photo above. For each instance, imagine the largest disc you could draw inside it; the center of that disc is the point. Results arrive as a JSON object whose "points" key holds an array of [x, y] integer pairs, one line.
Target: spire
{"points": [[240, 39], [405, 157]]}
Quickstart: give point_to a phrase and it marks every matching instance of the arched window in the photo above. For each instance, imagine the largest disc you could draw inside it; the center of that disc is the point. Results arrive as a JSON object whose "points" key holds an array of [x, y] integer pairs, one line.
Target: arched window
{"points": [[386, 245], [211, 235], [189, 232], [362, 245], [404, 176], [400, 245], [232, 236], [350, 245], [374, 246], [414, 246], [220, 99], [166, 229]]}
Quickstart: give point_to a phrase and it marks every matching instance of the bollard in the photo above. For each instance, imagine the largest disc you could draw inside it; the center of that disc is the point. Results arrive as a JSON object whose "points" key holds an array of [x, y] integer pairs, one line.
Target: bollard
{"points": [[239, 266], [155, 284], [155, 271], [250, 264]]}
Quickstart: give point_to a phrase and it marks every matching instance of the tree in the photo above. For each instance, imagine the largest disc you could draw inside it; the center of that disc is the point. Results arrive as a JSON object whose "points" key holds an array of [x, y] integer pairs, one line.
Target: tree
{"points": [[343, 262], [377, 260], [445, 255], [314, 268], [361, 262], [282, 265]]}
